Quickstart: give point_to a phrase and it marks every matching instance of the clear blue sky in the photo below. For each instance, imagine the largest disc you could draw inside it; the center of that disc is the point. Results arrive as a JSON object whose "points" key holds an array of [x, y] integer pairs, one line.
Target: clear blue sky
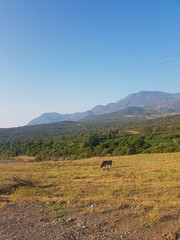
{"points": [[69, 55]]}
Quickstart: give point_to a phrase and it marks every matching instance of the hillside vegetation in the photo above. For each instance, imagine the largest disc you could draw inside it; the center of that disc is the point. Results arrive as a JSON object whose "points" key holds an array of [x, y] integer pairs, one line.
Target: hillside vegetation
{"points": [[92, 138]]}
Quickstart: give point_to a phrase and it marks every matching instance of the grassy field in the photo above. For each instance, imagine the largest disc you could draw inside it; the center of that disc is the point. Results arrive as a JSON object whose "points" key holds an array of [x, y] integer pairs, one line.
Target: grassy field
{"points": [[140, 181]]}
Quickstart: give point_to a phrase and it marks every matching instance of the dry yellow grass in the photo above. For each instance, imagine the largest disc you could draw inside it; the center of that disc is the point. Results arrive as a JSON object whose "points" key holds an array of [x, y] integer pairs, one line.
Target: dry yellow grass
{"points": [[139, 180]]}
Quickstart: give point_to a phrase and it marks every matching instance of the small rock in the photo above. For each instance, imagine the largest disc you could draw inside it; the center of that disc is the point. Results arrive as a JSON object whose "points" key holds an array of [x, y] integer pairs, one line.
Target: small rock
{"points": [[70, 220], [172, 236]]}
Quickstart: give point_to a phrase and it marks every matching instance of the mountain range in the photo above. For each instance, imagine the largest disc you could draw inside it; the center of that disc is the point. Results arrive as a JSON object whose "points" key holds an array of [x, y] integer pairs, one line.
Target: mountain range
{"points": [[144, 103], [147, 112]]}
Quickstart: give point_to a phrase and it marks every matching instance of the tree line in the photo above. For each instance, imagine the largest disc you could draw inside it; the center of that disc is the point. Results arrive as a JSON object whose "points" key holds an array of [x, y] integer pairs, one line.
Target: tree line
{"points": [[111, 142]]}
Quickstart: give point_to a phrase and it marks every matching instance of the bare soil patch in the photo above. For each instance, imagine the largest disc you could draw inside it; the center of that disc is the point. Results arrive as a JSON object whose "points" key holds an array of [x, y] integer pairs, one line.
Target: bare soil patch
{"points": [[134, 132], [20, 221]]}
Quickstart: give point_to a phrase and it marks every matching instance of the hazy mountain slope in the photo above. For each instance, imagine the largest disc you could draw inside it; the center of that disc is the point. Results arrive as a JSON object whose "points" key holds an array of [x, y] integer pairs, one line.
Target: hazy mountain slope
{"points": [[48, 118], [144, 98], [57, 117], [153, 110]]}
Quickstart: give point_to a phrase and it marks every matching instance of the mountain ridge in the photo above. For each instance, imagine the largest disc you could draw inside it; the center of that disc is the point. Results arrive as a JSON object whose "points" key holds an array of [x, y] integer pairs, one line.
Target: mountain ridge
{"points": [[152, 111], [140, 99]]}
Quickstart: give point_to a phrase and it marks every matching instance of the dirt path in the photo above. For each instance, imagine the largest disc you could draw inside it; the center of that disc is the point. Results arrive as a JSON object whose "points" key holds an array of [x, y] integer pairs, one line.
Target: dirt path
{"points": [[27, 221]]}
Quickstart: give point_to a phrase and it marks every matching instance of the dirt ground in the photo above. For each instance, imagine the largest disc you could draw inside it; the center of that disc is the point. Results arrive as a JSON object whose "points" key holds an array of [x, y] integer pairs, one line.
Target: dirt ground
{"points": [[25, 221]]}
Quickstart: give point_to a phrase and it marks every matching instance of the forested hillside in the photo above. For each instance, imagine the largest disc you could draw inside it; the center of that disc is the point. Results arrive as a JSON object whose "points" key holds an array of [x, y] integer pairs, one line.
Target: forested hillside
{"points": [[92, 138]]}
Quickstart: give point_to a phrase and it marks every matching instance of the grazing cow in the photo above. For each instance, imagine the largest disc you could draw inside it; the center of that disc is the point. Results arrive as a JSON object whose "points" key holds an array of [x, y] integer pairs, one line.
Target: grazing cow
{"points": [[105, 169], [106, 163]]}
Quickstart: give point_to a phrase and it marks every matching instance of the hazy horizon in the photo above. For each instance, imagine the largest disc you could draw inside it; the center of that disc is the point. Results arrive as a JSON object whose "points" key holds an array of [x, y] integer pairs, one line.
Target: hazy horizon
{"points": [[69, 56]]}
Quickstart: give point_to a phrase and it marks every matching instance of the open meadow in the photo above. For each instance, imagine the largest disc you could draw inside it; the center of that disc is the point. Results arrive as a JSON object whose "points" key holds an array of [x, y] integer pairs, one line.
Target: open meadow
{"points": [[140, 193]]}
